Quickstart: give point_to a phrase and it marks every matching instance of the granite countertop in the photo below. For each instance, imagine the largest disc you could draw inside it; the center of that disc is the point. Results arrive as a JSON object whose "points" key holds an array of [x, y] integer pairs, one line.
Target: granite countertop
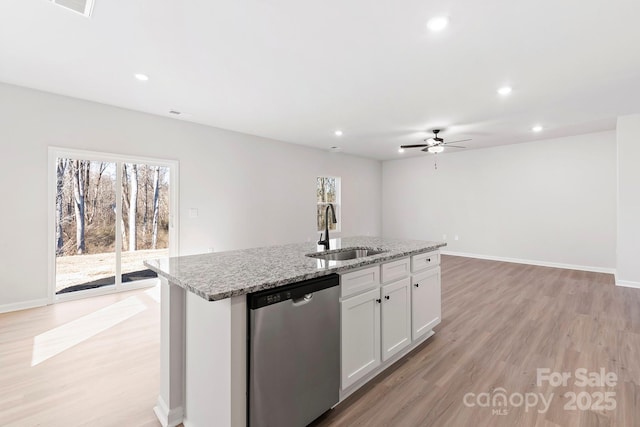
{"points": [[220, 275]]}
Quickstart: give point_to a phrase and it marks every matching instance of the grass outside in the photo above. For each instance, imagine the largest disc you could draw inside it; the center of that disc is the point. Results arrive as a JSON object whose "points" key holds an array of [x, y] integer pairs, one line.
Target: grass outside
{"points": [[80, 269]]}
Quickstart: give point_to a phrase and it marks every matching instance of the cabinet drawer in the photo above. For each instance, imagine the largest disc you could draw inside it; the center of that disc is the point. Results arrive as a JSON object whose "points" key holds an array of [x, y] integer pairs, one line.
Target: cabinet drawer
{"points": [[426, 260], [358, 281], [394, 270]]}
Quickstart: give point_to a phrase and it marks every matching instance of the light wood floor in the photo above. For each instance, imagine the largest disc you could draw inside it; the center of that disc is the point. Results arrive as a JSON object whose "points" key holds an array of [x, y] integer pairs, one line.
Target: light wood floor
{"points": [[110, 378], [500, 323]]}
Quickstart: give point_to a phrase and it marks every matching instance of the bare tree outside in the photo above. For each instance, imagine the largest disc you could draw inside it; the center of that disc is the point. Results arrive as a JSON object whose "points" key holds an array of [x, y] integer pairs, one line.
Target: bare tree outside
{"points": [[156, 206], [80, 169], [101, 168], [133, 205], [327, 189], [61, 167], [86, 221], [145, 209]]}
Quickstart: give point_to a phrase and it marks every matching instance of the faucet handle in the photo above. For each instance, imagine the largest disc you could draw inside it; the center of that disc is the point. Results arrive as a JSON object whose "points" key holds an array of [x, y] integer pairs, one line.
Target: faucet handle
{"points": [[320, 239]]}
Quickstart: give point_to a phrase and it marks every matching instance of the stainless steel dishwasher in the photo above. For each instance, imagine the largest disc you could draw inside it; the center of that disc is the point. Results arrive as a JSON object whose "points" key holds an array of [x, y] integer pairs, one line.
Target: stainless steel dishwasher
{"points": [[294, 353]]}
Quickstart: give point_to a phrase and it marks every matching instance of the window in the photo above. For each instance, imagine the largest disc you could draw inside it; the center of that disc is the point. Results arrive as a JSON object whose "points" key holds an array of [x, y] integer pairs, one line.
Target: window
{"points": [[111, 213], [328, 191]]}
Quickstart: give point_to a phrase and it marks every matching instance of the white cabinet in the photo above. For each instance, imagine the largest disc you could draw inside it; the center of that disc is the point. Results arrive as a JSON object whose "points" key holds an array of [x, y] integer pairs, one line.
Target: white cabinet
{"points": [[425, 302], [360, 336], [382, 321], [396, 317]]}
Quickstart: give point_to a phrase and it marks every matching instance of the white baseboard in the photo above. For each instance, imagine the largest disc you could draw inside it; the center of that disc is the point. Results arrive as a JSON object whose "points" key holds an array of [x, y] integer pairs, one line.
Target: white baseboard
{"points": [[628, 284], [40, 302], [168, 418], [534, 262]]}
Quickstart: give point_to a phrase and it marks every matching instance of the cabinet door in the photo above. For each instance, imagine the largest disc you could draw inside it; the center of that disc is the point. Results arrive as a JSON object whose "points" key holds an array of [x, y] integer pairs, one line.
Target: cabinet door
{"points": [[360, 316], [396, 317], [425, 302]]}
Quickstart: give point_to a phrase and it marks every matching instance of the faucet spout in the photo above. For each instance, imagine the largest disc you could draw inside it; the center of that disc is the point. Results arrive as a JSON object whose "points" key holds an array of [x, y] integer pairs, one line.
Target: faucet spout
{"points": [[325, 241]]}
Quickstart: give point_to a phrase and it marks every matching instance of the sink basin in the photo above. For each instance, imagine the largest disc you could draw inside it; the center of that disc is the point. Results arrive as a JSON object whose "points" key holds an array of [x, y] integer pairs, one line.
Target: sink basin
{"points": [[346, 254]]}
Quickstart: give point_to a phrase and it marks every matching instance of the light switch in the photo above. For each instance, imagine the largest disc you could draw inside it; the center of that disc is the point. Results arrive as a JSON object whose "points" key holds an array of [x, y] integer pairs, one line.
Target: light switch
{"points": [[193, 213]]}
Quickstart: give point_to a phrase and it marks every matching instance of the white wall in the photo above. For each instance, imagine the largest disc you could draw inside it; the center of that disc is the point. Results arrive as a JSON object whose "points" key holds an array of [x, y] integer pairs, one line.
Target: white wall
{"points": [[551, 201], [249, 191], [628, 249]]}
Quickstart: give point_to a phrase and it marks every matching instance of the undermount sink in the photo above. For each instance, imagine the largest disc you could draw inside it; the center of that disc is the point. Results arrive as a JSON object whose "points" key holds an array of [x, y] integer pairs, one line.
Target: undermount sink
{"points": [[346, 254]]}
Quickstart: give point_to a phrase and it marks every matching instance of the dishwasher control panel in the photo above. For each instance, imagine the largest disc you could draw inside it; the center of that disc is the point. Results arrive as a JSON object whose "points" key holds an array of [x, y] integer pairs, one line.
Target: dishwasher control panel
{"points": [[275, 298], [291, 292]]}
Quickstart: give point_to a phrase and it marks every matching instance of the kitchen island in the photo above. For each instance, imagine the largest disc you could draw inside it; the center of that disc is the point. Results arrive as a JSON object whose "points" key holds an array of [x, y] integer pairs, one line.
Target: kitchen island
{"points": [[203, 318]]}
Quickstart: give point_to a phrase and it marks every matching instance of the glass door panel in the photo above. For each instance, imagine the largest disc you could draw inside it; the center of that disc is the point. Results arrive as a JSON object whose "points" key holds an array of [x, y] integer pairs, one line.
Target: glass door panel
{"points": [[145, 219], [85, 225]]}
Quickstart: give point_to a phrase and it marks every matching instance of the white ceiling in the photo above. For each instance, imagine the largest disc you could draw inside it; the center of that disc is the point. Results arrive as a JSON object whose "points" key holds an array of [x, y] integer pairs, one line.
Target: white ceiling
{"points": [[297, 70]]}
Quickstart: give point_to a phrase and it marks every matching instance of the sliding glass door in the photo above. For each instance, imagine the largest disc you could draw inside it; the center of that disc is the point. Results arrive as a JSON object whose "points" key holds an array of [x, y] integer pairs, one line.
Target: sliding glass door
{"points": [[110, 215]]}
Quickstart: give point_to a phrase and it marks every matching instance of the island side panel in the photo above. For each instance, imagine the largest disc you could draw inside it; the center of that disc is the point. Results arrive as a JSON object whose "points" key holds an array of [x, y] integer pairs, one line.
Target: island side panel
{"points": [[207, 362], [170, 406], [239, 359]]}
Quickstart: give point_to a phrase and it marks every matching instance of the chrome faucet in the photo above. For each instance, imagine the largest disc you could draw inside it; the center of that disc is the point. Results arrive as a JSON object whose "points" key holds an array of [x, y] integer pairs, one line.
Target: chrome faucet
{"points": [[325, 241]]}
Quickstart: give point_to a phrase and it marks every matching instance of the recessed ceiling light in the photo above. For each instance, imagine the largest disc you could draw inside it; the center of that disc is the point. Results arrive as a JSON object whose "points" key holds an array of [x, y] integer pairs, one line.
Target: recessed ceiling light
{"points": [[400, 150], [141, 77], [537, 128], [338, 133], [505, 90], [438, 23]]}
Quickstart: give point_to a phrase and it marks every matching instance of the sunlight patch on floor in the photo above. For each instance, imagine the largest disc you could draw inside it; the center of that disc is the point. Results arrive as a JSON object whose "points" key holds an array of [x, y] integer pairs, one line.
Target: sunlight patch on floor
{"points": [[61, 338], [154, 293]]}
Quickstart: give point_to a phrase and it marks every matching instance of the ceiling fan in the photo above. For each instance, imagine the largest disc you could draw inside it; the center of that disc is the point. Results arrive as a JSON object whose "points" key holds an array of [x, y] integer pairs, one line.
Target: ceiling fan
{"points": [[436, 144]]}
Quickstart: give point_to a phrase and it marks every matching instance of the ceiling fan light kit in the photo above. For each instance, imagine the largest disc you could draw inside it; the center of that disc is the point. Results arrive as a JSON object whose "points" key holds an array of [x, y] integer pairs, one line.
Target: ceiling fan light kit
{"points": [[435, 144]]}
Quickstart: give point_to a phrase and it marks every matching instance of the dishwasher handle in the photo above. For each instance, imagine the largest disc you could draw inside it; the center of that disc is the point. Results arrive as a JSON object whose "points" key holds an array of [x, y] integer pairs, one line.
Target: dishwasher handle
{"points": [[297, 302]]}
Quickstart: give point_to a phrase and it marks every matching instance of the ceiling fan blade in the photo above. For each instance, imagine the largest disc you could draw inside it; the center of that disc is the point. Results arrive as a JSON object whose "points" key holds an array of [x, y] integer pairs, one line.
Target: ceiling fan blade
{"points": [[454, 146], [453, 142], [414, 146], [426, 150]]}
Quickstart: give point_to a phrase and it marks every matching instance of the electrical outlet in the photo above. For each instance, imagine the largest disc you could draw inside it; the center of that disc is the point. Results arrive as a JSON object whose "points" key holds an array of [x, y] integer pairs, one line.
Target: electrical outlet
{"points": [[456, 237], [444, 237], [210, 250], [193, 213]]}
